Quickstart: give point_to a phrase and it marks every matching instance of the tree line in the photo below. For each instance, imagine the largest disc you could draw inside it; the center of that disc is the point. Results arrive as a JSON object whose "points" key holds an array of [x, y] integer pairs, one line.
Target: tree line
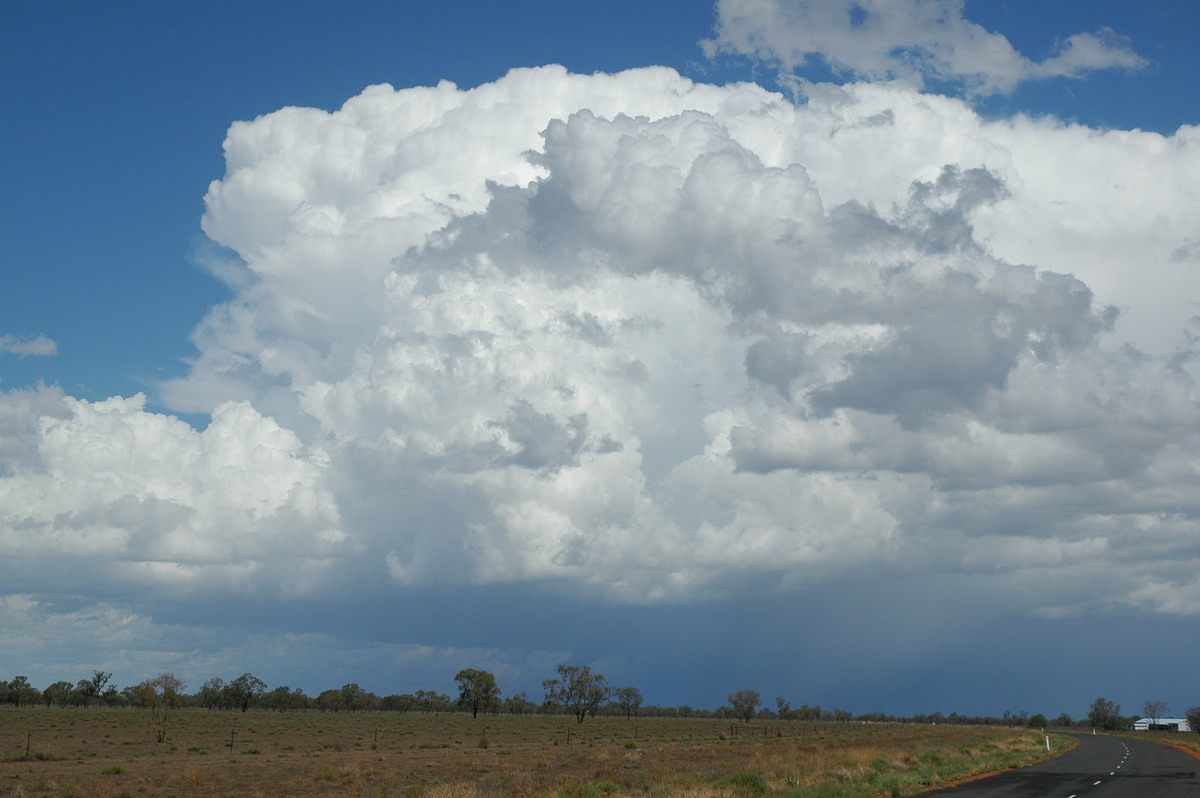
{"points": [[575, 690], [1106, 715]]}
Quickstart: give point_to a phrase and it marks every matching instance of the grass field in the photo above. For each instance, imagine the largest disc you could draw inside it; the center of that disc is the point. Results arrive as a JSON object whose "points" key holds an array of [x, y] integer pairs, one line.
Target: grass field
{"points": [[111, 752]]}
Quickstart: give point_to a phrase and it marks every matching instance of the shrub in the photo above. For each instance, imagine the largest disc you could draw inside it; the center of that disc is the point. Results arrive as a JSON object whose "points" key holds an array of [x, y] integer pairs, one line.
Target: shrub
{"points": [[112, 770], [744, 783], [196, 775], [34, 756], [597, 790]]}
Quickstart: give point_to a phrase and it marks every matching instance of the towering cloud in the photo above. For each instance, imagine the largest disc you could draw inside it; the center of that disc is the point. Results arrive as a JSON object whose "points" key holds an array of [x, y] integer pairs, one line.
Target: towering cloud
{"points": [[631, 336]]}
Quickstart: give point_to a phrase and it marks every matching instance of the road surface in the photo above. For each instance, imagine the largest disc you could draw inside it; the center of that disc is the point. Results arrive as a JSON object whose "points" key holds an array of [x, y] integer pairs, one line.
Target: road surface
{"points": [[1100, 767]]}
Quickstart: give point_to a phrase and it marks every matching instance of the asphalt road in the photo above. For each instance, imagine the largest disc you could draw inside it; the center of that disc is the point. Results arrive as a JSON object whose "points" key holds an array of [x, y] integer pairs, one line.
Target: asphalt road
{"points": [[1099, 767]]}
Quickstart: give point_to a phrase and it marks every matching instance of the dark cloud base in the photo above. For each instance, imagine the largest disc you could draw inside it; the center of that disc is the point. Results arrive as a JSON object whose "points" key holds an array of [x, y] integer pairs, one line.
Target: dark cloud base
{"points": [[886, 646]]}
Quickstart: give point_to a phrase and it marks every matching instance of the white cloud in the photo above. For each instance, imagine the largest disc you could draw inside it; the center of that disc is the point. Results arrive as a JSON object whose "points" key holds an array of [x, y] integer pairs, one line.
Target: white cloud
{"points": [[908, 40], [629, 336], [159, 504], [37, 345]]}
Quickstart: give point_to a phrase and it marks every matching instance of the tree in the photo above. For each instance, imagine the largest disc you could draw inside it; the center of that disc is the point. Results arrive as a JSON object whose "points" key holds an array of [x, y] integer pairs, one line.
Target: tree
{"points": [[519, 704], [245, 690], [784, 708], [162, 696], [132, 695], [213, 694], [20, 691], [12, 689], [477, 690], [399, 703], [1155, 710], [1193, 718], [432, 701], [355, 698], [285, 699], [330, 700], [1038, 721], [577, 690], [1104, 714], [744, 703], [58, 693], [628, 699], [94, 687]]}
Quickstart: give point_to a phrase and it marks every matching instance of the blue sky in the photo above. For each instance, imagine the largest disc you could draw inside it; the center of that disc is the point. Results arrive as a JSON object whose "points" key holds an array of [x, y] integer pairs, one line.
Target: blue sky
{"points": [[727, 468]]}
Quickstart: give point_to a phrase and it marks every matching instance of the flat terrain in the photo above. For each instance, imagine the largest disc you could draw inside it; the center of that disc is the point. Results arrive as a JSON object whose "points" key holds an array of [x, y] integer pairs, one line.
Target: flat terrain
{"points": [[112, 752]]}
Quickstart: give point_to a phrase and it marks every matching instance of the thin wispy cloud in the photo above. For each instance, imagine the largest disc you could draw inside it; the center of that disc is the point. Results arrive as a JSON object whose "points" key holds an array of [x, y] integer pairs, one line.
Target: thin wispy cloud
{"points": [[22, 347], [915, 41]]}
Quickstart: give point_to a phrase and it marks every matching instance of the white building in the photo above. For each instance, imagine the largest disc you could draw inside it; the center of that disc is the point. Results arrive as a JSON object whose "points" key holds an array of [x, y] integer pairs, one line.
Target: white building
{"points": [[1162, 724]]}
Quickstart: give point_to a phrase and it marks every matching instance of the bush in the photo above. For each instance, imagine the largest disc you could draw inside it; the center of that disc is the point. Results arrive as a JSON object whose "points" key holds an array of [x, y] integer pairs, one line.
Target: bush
{"points": [[34, 756], [195, 775], [598, 790], [744, 783]]}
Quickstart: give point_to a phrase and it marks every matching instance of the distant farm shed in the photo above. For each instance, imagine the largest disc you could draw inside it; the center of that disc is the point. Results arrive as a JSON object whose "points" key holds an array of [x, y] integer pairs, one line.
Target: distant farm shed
{"points": [[1162, 724]]}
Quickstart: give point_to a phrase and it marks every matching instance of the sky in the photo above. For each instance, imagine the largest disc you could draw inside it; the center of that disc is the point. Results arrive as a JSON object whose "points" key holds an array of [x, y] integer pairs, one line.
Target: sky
{"points": [[843, 351]]}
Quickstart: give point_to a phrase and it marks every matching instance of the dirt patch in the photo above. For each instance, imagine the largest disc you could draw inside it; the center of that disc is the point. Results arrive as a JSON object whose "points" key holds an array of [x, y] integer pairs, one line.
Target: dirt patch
{"points": [[1189, 751]]}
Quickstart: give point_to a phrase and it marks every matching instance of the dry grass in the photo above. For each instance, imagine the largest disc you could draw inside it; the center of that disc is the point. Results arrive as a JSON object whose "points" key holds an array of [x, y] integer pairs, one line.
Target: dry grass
{"points": [[1183, 741], [111, 753]]}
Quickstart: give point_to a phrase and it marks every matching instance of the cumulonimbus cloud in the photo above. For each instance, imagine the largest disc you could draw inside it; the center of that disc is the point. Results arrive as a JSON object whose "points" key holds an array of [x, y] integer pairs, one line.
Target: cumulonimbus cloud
{"points": [[639, 337]]}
